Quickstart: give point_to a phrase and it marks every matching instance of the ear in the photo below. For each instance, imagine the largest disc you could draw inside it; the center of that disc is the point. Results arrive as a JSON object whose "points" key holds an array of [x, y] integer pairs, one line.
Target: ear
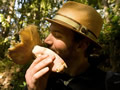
{"points": [[82, 45]]}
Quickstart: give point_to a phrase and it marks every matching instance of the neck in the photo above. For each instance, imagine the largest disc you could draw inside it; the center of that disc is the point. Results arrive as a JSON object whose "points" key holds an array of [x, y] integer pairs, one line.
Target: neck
{"points": [[77, 66]]}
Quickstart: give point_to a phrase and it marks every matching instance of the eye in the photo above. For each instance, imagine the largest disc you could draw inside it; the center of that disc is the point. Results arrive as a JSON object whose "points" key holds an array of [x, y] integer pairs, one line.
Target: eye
{"points": [[57, 35]]}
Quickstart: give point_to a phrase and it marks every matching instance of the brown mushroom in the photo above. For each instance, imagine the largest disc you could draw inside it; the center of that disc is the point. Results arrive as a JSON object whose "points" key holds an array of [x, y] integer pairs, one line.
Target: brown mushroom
{"points": [[21, 53]]}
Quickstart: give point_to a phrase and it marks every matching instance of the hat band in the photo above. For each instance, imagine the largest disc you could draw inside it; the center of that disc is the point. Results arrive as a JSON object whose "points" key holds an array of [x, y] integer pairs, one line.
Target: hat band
{"points": [[78, 27]]}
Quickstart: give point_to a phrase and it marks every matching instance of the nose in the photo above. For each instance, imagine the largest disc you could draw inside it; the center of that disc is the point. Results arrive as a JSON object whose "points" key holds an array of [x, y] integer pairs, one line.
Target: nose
{"points": [[49, 40]]}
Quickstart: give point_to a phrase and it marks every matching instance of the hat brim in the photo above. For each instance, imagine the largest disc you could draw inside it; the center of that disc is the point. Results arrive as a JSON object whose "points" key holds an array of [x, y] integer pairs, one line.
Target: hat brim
{"points": [[72, 28]]}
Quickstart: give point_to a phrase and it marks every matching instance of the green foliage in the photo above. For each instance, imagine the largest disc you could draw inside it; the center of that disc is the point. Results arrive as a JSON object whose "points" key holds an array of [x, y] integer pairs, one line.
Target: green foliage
{"points": [[4, 45], [18, 81], [110, 35], [3, 21], [15, 74]]}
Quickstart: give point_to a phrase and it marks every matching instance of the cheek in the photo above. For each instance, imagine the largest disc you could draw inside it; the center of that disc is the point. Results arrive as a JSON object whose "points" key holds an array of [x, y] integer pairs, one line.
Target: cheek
{"points": [[60, 45], [62, 48]]}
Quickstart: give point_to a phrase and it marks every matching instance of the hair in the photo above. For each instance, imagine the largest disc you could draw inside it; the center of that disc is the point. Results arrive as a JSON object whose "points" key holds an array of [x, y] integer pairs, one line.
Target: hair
{"points": [[92, 53], [78, 38]]}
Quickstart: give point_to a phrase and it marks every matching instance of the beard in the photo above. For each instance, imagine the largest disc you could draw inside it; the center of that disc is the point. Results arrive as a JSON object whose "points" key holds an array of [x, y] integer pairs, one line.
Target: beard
{"points": [[66, 54]]}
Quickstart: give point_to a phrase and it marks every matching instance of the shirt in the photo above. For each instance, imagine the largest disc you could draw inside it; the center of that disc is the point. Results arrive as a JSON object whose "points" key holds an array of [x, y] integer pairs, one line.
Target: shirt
{"points": [[92, 79]]}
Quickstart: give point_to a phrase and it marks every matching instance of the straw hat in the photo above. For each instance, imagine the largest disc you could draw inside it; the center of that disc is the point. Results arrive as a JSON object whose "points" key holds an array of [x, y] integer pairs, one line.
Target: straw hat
{"points": [[80, 18]]}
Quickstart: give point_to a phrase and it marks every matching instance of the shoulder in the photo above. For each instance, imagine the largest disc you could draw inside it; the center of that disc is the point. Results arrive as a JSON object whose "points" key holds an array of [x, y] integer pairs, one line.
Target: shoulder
{"points": [[92, 79]]}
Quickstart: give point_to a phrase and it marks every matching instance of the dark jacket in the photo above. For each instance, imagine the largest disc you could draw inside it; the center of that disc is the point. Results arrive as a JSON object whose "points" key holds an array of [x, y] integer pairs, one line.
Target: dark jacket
{"points": [[92, 79]]}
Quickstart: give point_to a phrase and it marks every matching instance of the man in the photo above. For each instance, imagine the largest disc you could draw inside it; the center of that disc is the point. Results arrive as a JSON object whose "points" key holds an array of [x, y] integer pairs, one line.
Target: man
{"points": [[73, 30]]}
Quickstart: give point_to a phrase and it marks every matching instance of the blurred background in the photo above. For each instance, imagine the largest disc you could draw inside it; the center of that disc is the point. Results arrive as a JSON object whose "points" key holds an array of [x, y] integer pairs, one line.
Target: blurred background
{"points": [[16, 14]]}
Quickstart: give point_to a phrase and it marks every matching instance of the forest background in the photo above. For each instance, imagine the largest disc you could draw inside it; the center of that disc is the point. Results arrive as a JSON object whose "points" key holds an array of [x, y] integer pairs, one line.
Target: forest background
{"points": [[16, 14]]}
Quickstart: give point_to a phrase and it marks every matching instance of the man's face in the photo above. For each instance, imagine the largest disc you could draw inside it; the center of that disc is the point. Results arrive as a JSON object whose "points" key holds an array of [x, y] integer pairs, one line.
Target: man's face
{"points": [[60, 40]]}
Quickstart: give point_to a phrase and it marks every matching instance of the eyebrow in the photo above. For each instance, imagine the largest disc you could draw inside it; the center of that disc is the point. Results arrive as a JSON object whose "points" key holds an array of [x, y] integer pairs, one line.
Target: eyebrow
{"points": [[55, 30]]}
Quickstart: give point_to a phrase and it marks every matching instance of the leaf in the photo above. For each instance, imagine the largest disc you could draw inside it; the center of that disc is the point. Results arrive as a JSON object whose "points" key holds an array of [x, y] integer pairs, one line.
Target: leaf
{"points": [[2, 18]]}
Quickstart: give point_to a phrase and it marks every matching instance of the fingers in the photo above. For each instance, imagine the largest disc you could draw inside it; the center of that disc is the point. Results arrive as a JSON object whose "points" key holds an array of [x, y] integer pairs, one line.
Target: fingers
{"points": [[40, 74], [42, 64], [37, 60], [38, 69]]}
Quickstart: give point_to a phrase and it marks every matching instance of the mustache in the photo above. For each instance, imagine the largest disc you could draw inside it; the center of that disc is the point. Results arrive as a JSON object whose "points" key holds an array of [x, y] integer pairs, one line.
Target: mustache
{"points": [[48, 46]]}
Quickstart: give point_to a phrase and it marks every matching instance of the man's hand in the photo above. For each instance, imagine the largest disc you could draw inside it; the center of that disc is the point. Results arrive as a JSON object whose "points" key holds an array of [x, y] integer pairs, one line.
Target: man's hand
{"points": [[37, 74]]}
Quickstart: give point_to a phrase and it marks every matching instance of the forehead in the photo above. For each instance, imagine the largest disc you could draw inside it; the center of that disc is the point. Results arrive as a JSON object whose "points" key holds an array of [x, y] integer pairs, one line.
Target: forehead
{"points": [[60, 28]]}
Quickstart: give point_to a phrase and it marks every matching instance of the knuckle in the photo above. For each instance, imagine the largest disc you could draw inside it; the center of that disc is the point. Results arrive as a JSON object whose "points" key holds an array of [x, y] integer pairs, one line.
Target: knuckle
{"points": [[36, 67], [34, 77]]}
